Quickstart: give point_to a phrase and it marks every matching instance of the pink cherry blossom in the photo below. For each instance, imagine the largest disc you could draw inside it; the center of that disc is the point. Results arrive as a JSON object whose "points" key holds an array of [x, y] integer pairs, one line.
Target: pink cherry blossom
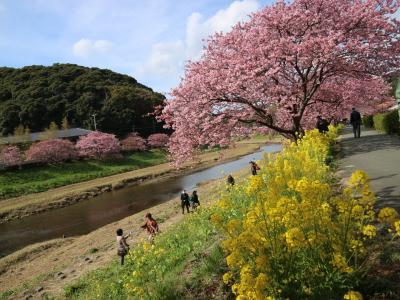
{"points": [[158, 140], [51, 151], [133, 142], [289, 63], [10, 156], [98, 145]]}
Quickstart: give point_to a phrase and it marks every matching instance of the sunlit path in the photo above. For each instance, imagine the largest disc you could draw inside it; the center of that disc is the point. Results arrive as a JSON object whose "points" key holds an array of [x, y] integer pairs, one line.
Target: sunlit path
{"points": [[377, 154]]}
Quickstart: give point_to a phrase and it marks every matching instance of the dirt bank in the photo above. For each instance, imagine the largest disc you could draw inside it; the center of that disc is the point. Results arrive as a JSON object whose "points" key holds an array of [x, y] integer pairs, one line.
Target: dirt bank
{"points": [[23, 206], [43, 269]]}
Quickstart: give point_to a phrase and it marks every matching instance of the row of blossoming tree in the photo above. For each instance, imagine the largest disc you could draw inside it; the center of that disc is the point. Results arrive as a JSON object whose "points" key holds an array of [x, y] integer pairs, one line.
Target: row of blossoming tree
{"points": [[289, 63], [96, 145]]}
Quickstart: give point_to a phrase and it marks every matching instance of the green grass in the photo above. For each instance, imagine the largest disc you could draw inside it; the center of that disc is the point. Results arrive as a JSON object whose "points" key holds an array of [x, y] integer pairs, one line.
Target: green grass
{"points": [[7, 294], [32, 180], [190, 266]]}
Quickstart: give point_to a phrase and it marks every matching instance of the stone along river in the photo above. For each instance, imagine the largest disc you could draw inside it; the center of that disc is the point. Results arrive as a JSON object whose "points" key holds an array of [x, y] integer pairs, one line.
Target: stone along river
{"points": [[91, 214]]}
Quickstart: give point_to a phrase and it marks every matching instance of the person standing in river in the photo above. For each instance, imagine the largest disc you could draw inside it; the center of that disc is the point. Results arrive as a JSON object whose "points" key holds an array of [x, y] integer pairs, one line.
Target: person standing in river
{"points": [[185, 201], [355, 121], [123, 247]]}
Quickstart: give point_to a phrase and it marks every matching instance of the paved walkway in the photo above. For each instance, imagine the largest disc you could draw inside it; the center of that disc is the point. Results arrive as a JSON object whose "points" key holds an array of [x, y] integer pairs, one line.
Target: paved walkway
{"points": [[378, 155]]}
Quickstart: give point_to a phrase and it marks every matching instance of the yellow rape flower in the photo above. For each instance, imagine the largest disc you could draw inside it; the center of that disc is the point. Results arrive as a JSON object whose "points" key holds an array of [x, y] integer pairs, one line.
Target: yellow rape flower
{"points": [[227, 277], [387, 215], [216, 218], [397, 227], [339, 262], [369, 231], [294, 237], [353, 295]]}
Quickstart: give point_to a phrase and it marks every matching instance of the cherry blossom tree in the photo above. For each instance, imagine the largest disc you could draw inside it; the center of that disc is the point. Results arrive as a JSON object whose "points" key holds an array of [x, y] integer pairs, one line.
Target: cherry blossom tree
{"points": [[10, 156], [289, 63], [98, 145], [158, 140], [52, 151], [133, 142]]}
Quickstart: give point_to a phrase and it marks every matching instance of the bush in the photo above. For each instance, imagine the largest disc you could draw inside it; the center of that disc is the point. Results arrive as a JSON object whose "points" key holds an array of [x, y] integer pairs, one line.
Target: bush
{"points": [[158, 140], [291, 234], [387, 122], [368, 121], [10, 156], [98, 145], [51, 151], [133, 142]]}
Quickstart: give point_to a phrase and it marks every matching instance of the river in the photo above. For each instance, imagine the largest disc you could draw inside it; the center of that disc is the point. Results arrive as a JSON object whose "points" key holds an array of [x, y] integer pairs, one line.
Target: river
{"points": [[106, 208]]}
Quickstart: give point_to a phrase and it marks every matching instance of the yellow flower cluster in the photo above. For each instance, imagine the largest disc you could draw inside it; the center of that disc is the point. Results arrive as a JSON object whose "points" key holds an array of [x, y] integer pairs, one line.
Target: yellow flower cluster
{"points": [[388, 215], [288, 229], [352, 295]]}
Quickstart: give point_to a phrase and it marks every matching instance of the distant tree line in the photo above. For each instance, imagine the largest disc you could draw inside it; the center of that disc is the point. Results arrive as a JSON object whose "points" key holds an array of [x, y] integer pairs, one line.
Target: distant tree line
{"points": [[32, 97]]}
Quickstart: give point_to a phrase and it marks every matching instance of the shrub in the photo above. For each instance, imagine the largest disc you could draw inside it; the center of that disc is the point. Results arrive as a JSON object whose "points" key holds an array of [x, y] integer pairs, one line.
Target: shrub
{"points": [[10, 156], [133, 142], [387, 122], [98, 145], [368, 121], [51, 151], [158, 140]]}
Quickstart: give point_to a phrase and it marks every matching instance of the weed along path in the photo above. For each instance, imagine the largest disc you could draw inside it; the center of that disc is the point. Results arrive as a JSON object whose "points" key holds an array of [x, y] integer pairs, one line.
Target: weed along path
{"points": [[91, 214], [378, 155], [23, 273]]}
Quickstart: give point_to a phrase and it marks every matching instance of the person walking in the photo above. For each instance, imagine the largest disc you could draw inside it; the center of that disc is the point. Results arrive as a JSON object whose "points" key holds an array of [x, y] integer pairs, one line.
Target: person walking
{"points": [[123, 247], [254, 168], [151, 227], [322, 125], [355, 121], [194, 200], [185, 201], [230, 180]]}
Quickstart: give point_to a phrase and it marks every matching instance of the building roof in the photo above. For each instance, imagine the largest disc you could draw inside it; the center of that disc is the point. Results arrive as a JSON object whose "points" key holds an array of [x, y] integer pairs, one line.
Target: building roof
{"points": [[37, 136]]}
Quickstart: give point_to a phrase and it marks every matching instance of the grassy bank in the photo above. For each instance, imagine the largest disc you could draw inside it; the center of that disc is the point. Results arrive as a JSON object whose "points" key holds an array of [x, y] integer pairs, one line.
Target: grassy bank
{"points": [[259, 241], [22, 272], [186, 262], [18, 182]]}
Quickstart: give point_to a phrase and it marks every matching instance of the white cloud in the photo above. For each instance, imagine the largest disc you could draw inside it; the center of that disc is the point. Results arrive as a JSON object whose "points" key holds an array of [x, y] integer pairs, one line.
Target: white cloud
{"points": [[85, 47], [167, 59], [197, 30]]}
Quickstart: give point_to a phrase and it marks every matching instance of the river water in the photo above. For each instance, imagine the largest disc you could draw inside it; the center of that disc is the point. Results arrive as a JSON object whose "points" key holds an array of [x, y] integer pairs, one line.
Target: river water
{"points": [[106, 208]]}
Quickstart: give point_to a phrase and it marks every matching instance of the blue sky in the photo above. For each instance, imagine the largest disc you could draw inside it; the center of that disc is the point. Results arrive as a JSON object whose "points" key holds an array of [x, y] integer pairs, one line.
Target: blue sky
{"points": [[147, 39]]}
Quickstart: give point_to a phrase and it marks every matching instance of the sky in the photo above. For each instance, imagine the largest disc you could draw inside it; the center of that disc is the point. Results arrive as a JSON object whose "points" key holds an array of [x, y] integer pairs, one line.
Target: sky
{"points": [[148, 39]]}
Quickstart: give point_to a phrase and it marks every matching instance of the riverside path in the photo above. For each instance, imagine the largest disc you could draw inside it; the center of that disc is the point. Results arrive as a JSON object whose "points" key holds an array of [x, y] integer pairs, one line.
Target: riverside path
{"points": [[377, 154]]}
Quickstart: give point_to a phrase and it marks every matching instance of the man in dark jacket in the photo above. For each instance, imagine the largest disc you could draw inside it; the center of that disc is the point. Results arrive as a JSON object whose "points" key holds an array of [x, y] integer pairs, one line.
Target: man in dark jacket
{"points": [[322, 125], [355, 121], [185, 201]]}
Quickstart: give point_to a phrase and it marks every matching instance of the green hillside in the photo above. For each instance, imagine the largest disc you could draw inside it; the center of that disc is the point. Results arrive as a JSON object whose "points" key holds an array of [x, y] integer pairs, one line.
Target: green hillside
{"points": [[34, 96]]}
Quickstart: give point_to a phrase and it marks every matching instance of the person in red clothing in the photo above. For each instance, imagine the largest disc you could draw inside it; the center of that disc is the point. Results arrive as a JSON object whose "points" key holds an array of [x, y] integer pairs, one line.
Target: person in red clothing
{"points": [[151, 226]]}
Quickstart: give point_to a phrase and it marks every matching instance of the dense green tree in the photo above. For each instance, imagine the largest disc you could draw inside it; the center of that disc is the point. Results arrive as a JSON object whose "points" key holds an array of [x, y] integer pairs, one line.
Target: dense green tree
{"points": [[34, 96]]}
